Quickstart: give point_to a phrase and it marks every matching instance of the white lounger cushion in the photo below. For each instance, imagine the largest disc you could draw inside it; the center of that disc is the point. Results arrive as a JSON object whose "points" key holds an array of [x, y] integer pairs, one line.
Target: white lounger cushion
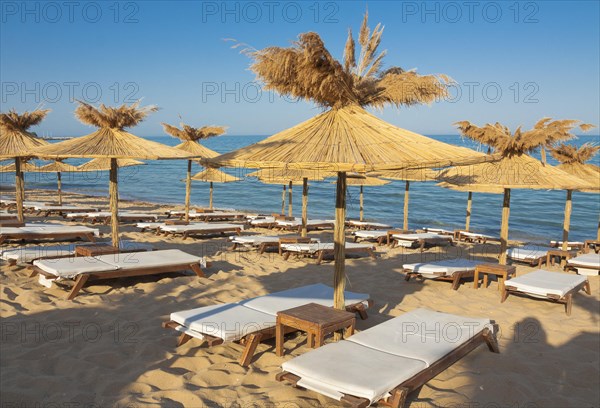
{"points": [[591, 260], [229, 322], [311, 248], [71, 267], [43, 229], [350, 368], [570, 244], [199, 226], [421, 334], [417, 236], [262, 221], [29, 253], [438, 231], [444, 267], [527, 253], [368, 224], [477, 235], [149, 224], [287, 299], [542, 283], [298, 222], [62, 208], [374, 234]]}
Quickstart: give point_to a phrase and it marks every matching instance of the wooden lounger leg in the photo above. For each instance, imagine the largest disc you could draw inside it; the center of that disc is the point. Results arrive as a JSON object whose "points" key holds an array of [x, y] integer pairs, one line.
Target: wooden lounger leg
{"points": [[372, 254], [568, 303], [252, 341], [354, 402], [360, 309], [398, 398], [491, 341], [408, 276], [586, 287], [34, 273], [456, 280], [183, 338], [320, 256], [504, 294], [196, 268], [79, 282], [286, 256]]}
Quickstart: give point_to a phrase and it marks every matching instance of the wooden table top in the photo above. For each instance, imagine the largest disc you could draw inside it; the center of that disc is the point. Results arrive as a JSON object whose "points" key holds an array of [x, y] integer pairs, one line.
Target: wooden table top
{"points": [[492, 267], [94, 250], [317, 314]]}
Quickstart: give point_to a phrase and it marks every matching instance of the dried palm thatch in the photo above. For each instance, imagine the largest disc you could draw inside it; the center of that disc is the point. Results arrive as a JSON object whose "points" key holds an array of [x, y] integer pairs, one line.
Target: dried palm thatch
{"points": [[104, 164], [190, 136], [26, 167], [111, 141], [17, 142], [307, 70], [57, 166], [211, 175], [573, 161], [284, 176], [545, 133], [15, 139], [349, 139]]}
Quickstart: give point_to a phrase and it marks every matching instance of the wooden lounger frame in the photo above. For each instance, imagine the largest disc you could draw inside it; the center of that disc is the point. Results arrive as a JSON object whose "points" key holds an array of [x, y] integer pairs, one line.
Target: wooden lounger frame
{"points": [[82, 278], [531, 262], [380, 241], [567, 299], [421, 243], [202, 231], [455, 277], [47, 235], [458, 236], [400, 393], [251, 340]]}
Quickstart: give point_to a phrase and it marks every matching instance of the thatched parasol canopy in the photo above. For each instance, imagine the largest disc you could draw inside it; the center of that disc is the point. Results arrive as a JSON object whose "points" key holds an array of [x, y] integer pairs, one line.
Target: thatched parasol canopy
{"points": [[345, 137], [211, 176], [25, 167], [191, 136], [16, 142], [515, 169], [113, 142], [104, 164], [57, 167], [573, 161]]}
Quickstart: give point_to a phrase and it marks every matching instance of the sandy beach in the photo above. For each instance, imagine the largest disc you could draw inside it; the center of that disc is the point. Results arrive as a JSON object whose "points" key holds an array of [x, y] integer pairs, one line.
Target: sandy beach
{"points": [[107, 347]]}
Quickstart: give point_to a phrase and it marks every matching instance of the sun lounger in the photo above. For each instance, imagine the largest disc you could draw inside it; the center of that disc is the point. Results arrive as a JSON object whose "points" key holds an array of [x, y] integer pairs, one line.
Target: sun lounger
{"points": [[262, 222], [439, 231], [28, 254], [47, 231], [453, 270], [261, 242], [586, 264], [112, 266], [530, 254], [153, 226], [320, 249], [218, 216], [419, 240], [311, 225], [200, 228], [468, 236], [371, 235], [104, 217], [387, 362], [61, 209], [570, 244], [367, 225], [554, 286], [251, 321]]}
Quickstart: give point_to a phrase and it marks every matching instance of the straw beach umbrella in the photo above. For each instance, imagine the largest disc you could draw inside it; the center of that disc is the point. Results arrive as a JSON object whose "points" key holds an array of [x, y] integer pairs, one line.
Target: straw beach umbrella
{"points": [[16, 142], [362, 181], [515, 169], [290, 176], [113, 142], [408, 175], [345, 138], [211, 176], [57, 167], [190, 137], [573, 161], [104, 164]]}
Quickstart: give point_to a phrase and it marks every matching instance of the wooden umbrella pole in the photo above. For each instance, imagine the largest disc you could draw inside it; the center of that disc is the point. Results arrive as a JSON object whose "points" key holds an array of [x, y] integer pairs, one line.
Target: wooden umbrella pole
{"points": [[504, 226], [567, 222], [406, 189], [19, 188], [598, 233], [304, 206], [188, 190], [361, 204], [283, 201], [210, 197], [339, 239], [469, 205], [114, 202], [59, 187], [290, 200]]}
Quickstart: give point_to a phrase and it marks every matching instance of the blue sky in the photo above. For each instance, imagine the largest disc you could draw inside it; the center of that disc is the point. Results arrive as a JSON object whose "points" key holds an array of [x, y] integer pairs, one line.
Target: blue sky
{"points": [[513, 62]]}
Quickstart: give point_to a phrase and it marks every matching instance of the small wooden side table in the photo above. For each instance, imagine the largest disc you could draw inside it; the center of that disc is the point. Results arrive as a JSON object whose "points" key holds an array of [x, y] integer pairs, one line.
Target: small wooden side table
{"points": [[314, 319], [503, 272], [553, 253], [95, 250]]}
